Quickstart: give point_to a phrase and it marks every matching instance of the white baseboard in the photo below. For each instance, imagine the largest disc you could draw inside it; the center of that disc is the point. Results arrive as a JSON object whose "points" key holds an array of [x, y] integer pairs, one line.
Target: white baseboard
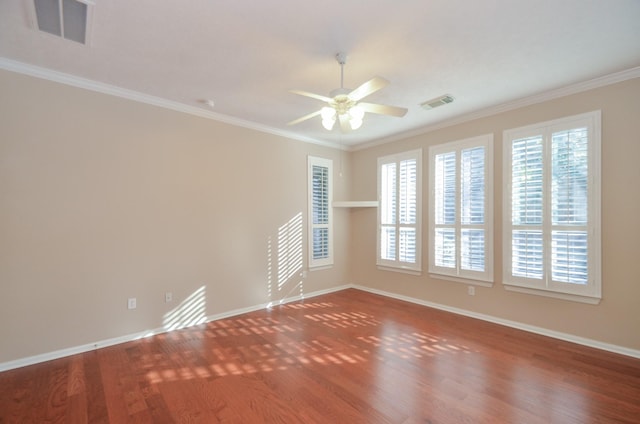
{"points": [[18, 363], [508, 323], [49, 356]]}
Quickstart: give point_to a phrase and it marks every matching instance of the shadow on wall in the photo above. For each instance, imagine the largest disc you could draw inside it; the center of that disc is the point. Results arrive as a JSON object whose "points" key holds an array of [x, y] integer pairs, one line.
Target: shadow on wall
{"points": [[284, 262]]}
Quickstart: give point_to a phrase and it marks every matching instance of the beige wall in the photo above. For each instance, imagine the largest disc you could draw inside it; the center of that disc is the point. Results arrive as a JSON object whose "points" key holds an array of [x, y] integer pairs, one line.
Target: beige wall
{"points": [[102, 199], [616, 320]]}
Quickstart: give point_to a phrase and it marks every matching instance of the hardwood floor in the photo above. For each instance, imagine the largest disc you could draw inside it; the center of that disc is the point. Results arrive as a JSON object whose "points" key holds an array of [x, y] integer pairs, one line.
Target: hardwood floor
{"points": [[346, 357]]}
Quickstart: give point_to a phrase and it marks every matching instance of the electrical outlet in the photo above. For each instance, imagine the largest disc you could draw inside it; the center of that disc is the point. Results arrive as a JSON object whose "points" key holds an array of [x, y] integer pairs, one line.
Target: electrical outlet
{"points": [[471, 290], [131, 303], [168, 297]]}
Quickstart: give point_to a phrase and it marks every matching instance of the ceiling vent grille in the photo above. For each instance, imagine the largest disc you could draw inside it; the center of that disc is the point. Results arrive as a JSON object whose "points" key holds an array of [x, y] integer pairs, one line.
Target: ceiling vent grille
{"points": [[64, 18], [437, 102]]}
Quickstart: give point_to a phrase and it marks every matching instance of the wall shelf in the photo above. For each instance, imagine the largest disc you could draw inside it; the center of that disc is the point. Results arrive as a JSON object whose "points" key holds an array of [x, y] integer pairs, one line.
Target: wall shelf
{"points": [[356, 204]]}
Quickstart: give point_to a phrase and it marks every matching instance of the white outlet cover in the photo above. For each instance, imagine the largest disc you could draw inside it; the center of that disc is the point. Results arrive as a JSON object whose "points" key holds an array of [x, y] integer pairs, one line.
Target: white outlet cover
{"points": [[131, 303]]}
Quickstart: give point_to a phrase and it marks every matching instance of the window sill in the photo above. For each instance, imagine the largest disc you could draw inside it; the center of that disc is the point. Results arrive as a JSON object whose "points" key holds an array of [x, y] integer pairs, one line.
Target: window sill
{"points": [[356, 204], [320, 267], [467, 281], [401, 270], [557, 295]]}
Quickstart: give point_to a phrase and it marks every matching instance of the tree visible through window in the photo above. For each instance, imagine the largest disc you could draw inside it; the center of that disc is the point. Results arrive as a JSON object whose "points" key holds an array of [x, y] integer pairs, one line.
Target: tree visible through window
{"points": [[460, 215], [552, 206]]}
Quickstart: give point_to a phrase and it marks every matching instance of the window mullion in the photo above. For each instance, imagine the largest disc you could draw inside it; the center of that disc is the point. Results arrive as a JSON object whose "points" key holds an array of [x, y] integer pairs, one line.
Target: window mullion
{"points": [[547, 157], [397, 214], [458, 215]]}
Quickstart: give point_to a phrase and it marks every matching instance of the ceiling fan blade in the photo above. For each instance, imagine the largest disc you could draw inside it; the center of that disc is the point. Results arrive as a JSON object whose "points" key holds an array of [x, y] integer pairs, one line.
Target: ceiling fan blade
{"points": [[369, 87], [312, 95], [305, 117], [345, 126], [383, 109]]}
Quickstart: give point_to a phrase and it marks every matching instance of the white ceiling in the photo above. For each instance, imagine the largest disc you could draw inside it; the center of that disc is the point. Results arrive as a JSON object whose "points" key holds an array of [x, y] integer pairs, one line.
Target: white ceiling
{"points": [[247, 55]]}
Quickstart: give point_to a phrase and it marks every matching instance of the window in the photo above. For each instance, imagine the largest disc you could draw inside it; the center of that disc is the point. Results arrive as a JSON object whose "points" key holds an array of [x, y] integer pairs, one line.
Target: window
{"points": [[552, 208], [461, 209], [399, 213], [320, 175]]}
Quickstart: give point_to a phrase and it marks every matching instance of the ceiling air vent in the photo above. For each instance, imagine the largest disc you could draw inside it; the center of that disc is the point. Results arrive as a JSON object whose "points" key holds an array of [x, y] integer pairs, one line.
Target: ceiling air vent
{"points": [[439, 101], [63, 18]]}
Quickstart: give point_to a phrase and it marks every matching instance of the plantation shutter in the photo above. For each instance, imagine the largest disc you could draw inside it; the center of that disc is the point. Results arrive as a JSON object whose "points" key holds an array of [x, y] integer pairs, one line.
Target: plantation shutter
{"points": [[526, 200], [460, 215], [399, 210], [569, 205], [472, 200], [407, 211], [320, 212], [388, 208], [445, 210], [552, 235]]}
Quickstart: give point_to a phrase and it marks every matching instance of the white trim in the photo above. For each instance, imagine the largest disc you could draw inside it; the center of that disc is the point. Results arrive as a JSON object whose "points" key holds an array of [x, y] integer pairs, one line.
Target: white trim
{"points": [[356, 204], [320, 268], [577, 88], [63, 78], [555, 295], [31, 360], [467, 281], [87, 84], [57, 354], [508, 323], [400, 269]]}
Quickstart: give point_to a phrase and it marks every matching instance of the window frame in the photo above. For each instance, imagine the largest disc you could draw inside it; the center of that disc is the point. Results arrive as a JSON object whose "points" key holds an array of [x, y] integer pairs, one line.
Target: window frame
{"points": [[591, 292], [397, 265], [486, 277], [313, 161]]}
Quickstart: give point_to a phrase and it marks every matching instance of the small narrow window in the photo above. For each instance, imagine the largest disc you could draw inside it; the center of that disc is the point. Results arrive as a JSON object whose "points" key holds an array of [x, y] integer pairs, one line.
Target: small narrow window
{"points": [[320, 175]]}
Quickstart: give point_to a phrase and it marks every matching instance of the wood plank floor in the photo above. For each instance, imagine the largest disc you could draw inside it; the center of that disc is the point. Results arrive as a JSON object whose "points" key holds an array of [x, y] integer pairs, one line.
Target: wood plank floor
{"points": [[346, 357]]}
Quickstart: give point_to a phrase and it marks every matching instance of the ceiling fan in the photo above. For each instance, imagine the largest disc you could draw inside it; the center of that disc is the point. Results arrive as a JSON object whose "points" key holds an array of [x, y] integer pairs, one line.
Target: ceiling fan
{"points": [[345, 105]]}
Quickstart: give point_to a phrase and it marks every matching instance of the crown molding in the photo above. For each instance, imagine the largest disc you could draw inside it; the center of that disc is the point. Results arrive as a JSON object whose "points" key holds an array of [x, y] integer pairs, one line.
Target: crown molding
{"points": [[515, 104], [71, 80], [87, 84]]}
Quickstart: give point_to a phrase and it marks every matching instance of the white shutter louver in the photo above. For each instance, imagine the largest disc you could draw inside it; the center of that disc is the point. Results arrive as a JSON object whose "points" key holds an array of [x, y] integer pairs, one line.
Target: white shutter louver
{"points": [[472, 198], [407, 211], [526, 200]]}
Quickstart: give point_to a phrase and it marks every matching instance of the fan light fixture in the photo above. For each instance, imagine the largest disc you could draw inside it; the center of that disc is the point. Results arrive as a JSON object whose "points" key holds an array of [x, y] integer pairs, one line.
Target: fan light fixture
{"points": [[354, 115], [345, 105]]}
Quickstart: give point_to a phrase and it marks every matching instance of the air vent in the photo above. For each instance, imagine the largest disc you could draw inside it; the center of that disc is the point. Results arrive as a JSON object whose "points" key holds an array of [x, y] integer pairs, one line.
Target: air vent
{"points": [[63, 18], [439, 101]]}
